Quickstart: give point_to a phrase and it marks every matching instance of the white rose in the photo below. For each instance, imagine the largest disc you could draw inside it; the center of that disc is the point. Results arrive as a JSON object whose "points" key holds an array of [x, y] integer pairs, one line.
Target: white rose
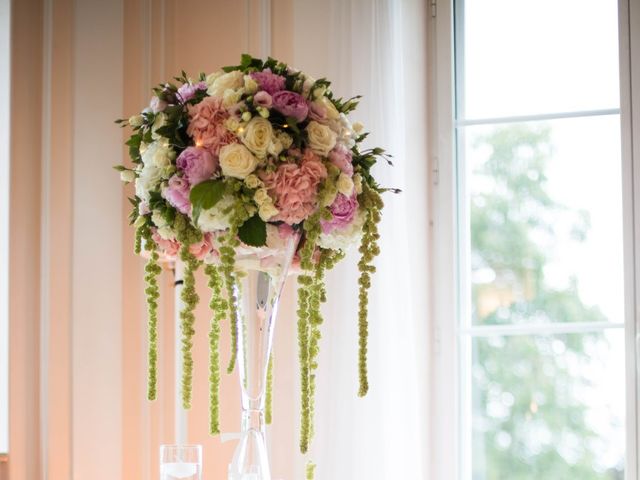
{"points": [[220, 84], [147, 180], [332, 111], [357, 181], [252, 181], [250, 85], [267, 211], [257, 136], [213, 76], [275, 147], [357, 127], [345, 184], [215, 218], [285, 139], [261, 197], [158, 153], [321, 138], [127, 176], [231, 97], [237, 161]]}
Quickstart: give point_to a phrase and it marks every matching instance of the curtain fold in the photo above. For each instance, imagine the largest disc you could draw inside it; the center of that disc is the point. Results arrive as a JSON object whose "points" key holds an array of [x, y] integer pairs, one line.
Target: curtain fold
{"points": [[376, 49]]}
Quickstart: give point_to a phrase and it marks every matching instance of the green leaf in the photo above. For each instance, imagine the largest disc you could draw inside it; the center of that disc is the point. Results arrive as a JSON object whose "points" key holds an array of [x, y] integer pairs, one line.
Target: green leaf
{"points": [[253, 232], [205, 195]]}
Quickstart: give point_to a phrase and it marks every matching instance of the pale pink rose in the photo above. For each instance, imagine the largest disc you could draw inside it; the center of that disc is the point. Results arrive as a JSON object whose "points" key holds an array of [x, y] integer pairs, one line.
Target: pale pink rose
{"points": [[197, 164], [341, 157], [317, 112], [203, 248], [262, 99], [168, 248], [206, 125], [295, 189], [177, 194]]}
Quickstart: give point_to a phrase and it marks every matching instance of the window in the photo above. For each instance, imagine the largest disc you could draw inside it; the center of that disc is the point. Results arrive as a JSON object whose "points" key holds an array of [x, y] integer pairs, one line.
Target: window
{"points": [[540, 248]]}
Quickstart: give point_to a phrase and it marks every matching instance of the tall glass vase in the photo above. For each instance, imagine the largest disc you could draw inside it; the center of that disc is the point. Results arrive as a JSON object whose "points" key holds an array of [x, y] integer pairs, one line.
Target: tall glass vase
{"points": [[259, 284]]}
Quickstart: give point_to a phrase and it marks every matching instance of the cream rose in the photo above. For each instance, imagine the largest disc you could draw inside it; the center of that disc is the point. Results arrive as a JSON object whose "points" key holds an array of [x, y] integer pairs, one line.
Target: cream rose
{"points": [[321, 138], [237, 161], [345, 184], [267, 211], [222, 83], [250, 85], [257, 136], [231, 97], [127, 176], [252, 181]]}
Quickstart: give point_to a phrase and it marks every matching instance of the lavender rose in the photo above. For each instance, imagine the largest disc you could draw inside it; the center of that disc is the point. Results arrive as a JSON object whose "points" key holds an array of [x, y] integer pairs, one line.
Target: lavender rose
{"points": [[344, 210], [177, 194], [187, 91], [197, 164], [291, 104], [268, 81]]}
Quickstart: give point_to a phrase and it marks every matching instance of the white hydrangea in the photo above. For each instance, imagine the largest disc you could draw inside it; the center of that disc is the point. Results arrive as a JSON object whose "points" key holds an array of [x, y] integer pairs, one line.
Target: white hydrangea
{"points": [[345, 238], [214, 219]]}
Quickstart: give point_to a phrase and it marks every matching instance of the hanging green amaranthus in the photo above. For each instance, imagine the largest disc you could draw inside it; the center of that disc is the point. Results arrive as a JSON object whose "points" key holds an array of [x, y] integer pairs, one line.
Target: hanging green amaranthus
{"points": [[369, 249], [152, 291], [218, 307], [190, 299]]}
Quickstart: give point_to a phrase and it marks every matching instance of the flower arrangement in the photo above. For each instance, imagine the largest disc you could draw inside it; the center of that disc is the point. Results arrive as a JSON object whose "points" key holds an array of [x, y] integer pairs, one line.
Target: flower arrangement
{"points": [[242, 159]]}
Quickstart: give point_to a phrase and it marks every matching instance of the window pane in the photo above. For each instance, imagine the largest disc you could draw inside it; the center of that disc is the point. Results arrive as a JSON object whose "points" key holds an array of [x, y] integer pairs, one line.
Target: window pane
{"points": [[548, 407], [545, 213], [525, 57]]}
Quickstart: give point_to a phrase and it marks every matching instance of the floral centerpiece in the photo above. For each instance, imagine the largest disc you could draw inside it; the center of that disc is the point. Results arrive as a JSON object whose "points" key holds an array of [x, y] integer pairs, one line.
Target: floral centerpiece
{"points": [[237, 162]]}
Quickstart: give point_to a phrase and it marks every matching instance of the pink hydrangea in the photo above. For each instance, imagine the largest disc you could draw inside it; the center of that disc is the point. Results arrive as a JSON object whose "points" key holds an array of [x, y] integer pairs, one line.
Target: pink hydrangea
{"points": [[269, 81], [206, 125], [197, 164], [177, 194], [341, 157], [295, 189], [344, 210]]}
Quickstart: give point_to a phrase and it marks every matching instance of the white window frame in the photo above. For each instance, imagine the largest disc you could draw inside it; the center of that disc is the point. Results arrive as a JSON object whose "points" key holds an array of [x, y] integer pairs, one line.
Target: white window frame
{"points": [[451, 457], [5, 78]]}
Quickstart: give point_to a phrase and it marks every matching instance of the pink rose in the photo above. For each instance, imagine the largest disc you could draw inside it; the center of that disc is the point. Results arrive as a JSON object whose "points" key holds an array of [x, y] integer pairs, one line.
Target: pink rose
{"points": [[206, 125], [291, 104], [262, 99], [268, 81], [168, 248], [197, 164], [295, 189], [341, 157], [317, 112], [344, 211], [203, 248], [177, 194]]}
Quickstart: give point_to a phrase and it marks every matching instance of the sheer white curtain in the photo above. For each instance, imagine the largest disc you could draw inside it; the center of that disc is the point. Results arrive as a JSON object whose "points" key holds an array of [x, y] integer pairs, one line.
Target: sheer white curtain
{"points": [[376, 48]]}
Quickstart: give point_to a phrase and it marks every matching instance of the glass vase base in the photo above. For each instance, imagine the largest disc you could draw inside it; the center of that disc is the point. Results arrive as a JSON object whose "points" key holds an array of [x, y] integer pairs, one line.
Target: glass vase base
{"points": [[250, 461]]}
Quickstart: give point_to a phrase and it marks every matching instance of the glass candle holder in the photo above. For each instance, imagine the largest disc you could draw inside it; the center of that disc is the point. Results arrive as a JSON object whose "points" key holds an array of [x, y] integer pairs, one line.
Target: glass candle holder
{"points": [[180, 462]]}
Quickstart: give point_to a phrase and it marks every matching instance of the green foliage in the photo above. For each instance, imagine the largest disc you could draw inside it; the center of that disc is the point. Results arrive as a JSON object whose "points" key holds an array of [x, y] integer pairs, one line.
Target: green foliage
{"points": [[506, 220], [205, 195], [253, 232]]}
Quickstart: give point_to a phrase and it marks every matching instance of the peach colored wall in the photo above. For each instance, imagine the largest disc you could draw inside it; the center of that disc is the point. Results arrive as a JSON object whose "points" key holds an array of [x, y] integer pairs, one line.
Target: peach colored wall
{"points": [[78, 339]]}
